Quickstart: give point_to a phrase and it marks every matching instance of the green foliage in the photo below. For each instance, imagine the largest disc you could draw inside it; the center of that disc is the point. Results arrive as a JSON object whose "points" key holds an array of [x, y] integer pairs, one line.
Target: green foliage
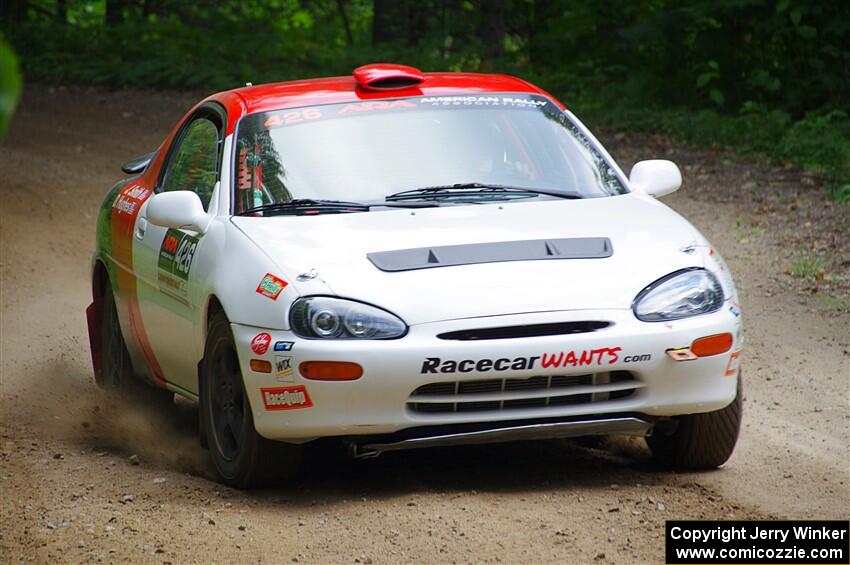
{"points": [[808, 267], [10, 84], [767, 77]]}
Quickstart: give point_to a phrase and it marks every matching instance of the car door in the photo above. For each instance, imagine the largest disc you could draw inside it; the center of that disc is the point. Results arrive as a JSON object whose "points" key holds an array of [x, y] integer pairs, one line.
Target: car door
{"points": [[165, 259]]}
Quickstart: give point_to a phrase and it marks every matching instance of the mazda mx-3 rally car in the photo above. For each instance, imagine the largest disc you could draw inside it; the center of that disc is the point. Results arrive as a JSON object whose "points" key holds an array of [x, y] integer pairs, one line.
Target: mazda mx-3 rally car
{"points": [[401, 259]]}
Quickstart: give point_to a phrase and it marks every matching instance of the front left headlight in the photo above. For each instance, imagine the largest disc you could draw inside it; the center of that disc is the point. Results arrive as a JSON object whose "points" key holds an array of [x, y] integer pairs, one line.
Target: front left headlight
{"points": [[323, 317], [679, 295]]}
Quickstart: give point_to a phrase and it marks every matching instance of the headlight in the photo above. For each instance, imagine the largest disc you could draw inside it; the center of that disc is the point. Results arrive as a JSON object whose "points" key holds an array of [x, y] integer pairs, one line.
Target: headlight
{"points": [[334, 318], [679, 295]]}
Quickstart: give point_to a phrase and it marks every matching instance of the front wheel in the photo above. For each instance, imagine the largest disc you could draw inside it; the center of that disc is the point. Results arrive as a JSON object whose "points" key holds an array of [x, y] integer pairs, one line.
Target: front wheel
{"points": [[241, 456], [700, 441]]}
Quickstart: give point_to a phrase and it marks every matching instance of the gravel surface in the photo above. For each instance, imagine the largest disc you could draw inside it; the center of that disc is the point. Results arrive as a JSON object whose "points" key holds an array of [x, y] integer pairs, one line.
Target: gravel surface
{"points": [[84, 478]]}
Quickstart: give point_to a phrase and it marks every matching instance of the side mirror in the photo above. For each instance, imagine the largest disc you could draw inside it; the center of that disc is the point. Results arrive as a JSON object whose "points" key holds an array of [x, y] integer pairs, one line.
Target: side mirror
{"points": [[178, 209], [656, 177], [139, 164]]}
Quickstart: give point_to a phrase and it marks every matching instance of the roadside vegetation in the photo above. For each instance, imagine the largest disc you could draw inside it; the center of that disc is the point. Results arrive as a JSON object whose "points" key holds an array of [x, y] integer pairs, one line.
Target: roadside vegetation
{"points": [[767, 78], [10, 84]]}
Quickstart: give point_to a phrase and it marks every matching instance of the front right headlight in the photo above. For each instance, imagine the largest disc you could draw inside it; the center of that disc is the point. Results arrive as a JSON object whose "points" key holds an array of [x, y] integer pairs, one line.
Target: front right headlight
{"points": [[324, 317], [679, 295]]}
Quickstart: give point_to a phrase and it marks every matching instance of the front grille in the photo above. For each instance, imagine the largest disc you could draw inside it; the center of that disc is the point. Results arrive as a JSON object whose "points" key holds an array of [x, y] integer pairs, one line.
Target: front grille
{"points": [[532, 330], [486, 395]]}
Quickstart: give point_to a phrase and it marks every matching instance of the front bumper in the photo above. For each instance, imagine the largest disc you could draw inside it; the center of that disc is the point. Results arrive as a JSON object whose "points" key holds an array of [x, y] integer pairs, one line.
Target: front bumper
{"points": [[380, 401]]}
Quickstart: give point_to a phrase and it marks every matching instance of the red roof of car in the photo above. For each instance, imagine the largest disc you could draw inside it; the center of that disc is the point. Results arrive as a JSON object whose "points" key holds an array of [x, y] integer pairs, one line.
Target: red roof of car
{"points": [[369, 82], [280, 95]]}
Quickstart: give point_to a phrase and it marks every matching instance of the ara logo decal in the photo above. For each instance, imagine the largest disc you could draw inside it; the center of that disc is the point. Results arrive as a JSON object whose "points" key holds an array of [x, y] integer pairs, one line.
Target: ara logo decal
{"points": [[271, 286], [286, 397], [260, 343], [376, 105], [282, 367]]}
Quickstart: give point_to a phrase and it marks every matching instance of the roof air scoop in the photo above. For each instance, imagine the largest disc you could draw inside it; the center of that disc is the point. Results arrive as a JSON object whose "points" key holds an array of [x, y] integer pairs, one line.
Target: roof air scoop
{"points": [[387, 77]]}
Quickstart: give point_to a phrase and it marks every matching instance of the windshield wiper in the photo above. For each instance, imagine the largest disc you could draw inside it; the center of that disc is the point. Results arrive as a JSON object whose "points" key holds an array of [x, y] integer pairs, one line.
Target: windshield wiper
{"points": [[300, 205], [472, 188], [313, 206]]}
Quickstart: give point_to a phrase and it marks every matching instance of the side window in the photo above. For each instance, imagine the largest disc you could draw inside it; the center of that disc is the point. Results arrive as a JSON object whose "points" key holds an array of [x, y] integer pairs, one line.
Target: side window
{"points": [[193, 164]]}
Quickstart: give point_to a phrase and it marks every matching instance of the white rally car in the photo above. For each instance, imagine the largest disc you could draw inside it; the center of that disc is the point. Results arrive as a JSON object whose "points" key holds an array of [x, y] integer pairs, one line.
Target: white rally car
{"points": [[401, 259]]}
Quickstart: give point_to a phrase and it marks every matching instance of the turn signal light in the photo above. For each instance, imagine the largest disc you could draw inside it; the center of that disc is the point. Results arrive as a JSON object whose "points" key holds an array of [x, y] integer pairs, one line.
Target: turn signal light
{"points": [[260, 366], [712, 345], [330, 370]]}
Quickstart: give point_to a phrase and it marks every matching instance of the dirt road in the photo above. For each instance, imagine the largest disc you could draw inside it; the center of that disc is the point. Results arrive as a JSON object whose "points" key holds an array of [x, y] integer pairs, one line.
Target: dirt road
{"points": [[83, 480]]}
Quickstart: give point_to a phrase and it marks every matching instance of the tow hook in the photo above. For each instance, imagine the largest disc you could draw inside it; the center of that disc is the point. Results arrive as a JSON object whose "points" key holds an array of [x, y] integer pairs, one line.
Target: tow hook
{"points": [[357, 451]]}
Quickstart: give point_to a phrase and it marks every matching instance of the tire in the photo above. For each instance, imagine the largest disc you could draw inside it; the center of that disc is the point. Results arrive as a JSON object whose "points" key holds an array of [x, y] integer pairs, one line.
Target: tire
{"points": [[116, 370], [700, 441], [116, 374], [242, 458]]}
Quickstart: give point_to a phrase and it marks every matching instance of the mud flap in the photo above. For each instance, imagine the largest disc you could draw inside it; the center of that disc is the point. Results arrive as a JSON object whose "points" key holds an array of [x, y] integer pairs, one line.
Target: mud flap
{"points": [[93, 321]]}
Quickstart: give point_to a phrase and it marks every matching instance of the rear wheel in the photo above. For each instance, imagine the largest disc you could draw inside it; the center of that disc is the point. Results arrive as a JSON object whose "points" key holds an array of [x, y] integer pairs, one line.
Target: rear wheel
{"points": [[116, 374], [700, 441], [116, 370], [241, 456]]}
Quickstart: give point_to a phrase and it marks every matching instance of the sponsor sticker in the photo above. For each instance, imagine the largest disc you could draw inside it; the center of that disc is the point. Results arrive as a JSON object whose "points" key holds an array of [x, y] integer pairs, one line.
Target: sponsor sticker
{"points": [[581, 358], [260, 343], [271, 286], [283, 345], [734, 364], [282, 367], [509, 101], [130, 199], [175, 262], [293, 117], [735, 309], [286, 397]]}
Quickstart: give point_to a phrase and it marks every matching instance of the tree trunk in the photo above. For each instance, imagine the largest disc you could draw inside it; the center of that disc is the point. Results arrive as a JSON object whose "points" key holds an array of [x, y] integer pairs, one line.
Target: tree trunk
{"points": [[62, 11], [115, 11], [14, 10], [385, 20], [341, 7], [492, 29], [417, 21], [530, 32]]}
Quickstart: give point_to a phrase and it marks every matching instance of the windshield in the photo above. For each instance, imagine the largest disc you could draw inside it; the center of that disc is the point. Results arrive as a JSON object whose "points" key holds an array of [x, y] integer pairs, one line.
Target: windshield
{"points": [[368, 151]]}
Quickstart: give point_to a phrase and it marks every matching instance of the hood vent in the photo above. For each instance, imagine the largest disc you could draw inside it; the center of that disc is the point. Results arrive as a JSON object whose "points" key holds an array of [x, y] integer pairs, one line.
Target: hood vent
{"points": [[531, 330], [496, 252], [387, 77]]}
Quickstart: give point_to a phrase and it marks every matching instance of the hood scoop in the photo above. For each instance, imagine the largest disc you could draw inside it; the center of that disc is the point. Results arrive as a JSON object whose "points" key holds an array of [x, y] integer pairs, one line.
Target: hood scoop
{"points": [[496, 252], [387, 77]]}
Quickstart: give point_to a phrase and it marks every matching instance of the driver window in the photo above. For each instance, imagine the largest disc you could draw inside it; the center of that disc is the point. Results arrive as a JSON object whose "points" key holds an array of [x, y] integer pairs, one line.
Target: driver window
{"points": [[193, 166]]}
